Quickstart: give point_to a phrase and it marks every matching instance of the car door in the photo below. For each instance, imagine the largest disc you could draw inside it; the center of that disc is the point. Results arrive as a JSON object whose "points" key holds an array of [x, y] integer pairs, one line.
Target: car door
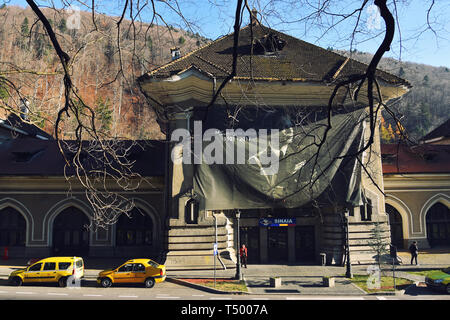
{"points": [[139, 273], [33, 273], [48, 273], [124, 274]]}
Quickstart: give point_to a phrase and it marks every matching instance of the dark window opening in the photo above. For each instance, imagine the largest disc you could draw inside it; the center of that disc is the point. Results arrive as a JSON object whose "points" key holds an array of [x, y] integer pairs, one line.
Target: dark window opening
{"points": [[135, 230], [191, 211], [71, 233], [366, 210], [12, 228], [268, 44], [438, 225], [396, 226]]}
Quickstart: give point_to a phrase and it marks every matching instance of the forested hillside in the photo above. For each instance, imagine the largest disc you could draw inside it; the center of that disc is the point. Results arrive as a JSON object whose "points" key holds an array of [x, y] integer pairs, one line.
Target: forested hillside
{"points": [[28, 60], [426, 105]]}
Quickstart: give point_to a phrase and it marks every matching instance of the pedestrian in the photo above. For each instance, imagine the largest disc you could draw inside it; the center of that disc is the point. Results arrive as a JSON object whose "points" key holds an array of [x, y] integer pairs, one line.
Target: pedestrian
{"points": [[414, 250], [243, 254]]}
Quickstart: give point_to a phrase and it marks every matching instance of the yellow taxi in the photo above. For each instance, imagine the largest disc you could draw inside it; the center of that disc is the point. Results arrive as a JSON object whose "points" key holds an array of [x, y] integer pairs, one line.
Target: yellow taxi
{"points": [[53, 269], [145, 271]]}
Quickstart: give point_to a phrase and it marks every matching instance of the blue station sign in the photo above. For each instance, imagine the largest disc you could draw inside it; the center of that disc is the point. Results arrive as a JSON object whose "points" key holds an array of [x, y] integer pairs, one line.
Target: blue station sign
{"points": [[277, 222]]}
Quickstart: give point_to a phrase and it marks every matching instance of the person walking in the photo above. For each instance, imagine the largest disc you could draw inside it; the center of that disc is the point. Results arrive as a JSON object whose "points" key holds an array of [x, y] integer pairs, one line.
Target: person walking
{"points": [[414, 250], [243, 254]]}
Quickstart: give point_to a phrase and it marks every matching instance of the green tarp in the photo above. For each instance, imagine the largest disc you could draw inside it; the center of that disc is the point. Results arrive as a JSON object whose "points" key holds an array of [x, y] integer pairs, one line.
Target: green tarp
{"points": [[301, 176]]}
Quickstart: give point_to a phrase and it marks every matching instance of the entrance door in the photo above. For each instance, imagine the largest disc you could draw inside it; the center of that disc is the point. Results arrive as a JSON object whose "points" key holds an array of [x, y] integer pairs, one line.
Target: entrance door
{"points": [[250, 237], [304, 244], [395, 223], [277, 242], [70, 233], [438, 225]]}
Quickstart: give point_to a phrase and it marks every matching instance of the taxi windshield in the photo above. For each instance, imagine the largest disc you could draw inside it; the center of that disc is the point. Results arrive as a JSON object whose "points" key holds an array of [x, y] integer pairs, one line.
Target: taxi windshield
{"points": [[446, 270]]}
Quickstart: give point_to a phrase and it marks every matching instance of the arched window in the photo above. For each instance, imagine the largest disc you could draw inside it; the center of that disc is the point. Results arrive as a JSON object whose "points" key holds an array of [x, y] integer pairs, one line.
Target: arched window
{"points": [[396, 226], [12, 228], [438, 225], [135, 230]]}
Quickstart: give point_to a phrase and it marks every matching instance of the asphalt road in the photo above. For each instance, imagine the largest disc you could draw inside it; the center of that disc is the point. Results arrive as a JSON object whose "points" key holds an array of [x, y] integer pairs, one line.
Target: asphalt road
{"points": [[175, 292]]}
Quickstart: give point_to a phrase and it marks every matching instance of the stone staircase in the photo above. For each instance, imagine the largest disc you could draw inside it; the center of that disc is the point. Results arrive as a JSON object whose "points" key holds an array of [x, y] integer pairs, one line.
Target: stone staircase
{"points": [[191, 246], [361, 236]]}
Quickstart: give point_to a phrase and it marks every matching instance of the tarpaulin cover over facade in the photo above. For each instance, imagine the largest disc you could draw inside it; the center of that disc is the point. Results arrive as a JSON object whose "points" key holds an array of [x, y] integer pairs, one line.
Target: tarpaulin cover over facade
{"points": [[335, 177]]}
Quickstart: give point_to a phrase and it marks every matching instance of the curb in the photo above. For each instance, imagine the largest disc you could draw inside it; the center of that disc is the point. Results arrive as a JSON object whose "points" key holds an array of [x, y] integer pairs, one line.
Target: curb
{"points": [[204, 288], [212, 290]]}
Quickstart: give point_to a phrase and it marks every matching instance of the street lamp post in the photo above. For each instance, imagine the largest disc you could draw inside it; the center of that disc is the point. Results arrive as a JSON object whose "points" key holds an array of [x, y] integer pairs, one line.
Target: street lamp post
{"points": [[238, 275], [348, 272]]}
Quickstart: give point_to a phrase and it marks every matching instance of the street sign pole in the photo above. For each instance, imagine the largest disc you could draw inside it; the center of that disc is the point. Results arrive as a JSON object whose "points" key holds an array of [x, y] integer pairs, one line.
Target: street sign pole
{"points": [[215, 254]]}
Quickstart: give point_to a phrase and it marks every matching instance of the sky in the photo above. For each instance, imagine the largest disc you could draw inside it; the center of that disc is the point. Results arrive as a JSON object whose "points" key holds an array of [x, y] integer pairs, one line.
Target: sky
{"points": [[214, 18]]}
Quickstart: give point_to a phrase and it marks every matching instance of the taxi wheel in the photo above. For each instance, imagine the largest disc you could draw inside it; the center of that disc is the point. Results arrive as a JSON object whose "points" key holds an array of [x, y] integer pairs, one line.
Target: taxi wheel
{"points": [[106, 282], [448, 288], [17, 281], [149, 282], [62, 282]]}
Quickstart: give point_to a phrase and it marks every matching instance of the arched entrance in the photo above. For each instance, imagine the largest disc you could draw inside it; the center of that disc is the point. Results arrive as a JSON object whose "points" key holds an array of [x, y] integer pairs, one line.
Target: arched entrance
{"points": [[438, 225], [396, 225], [134, 231], [13, 228], [70, 233]]}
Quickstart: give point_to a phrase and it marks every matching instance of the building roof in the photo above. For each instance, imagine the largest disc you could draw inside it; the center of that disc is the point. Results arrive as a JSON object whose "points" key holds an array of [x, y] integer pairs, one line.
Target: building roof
{"points": [[403, 159], [441, 132], [16, 124], [292, 60], [34, 157]]}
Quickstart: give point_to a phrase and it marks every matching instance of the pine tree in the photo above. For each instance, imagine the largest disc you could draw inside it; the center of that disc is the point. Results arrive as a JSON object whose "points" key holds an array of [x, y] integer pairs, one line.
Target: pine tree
{"points": [[378, 242], [104, 114], [24, 29], [62, 25]]}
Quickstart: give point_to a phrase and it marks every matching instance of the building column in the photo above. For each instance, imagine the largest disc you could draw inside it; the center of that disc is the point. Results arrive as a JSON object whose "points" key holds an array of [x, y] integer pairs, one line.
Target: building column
{"points": [[291, 244], [263, 246]]}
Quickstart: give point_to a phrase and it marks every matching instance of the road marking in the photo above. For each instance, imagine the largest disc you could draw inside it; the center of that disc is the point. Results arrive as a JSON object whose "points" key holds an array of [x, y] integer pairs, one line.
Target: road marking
{"points": [[57, 294], [324, 298], [92, 295], [220, 298], [260, 298], [3, 292], [198, 295], [128, 296], [167, 297], [23, 292], [381, 298]]}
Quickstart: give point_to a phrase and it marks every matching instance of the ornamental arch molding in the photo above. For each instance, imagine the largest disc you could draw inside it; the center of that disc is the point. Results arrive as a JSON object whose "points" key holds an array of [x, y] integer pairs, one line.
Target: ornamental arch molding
{"points": [[440, 197], [405, 213], [149, 210], [57, 209], [23, 210]]}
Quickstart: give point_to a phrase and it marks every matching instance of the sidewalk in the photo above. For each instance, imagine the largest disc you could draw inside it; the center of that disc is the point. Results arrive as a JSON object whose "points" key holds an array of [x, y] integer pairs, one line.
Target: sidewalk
{"points": [[295, 279]]}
